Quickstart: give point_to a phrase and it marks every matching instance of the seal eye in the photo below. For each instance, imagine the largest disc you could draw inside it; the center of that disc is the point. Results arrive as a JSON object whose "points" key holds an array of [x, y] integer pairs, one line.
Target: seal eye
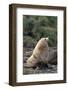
{"points": [[45, 38]]}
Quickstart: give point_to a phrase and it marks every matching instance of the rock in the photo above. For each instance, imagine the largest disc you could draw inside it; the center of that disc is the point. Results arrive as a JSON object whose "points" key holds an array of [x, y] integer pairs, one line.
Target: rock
{"points": [[52, 56]]}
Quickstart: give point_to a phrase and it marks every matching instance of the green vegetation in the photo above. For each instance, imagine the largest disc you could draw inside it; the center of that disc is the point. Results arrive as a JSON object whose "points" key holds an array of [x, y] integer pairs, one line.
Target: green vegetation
{"points": [[36, 27]]}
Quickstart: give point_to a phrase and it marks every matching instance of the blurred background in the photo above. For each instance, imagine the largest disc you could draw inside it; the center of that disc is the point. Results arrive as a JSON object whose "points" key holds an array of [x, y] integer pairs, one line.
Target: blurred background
{"points": [[36, 27]]}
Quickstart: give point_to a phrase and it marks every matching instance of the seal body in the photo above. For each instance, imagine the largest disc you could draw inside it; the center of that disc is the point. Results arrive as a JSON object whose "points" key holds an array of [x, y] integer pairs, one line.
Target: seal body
{"points": [[40, 53]]}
